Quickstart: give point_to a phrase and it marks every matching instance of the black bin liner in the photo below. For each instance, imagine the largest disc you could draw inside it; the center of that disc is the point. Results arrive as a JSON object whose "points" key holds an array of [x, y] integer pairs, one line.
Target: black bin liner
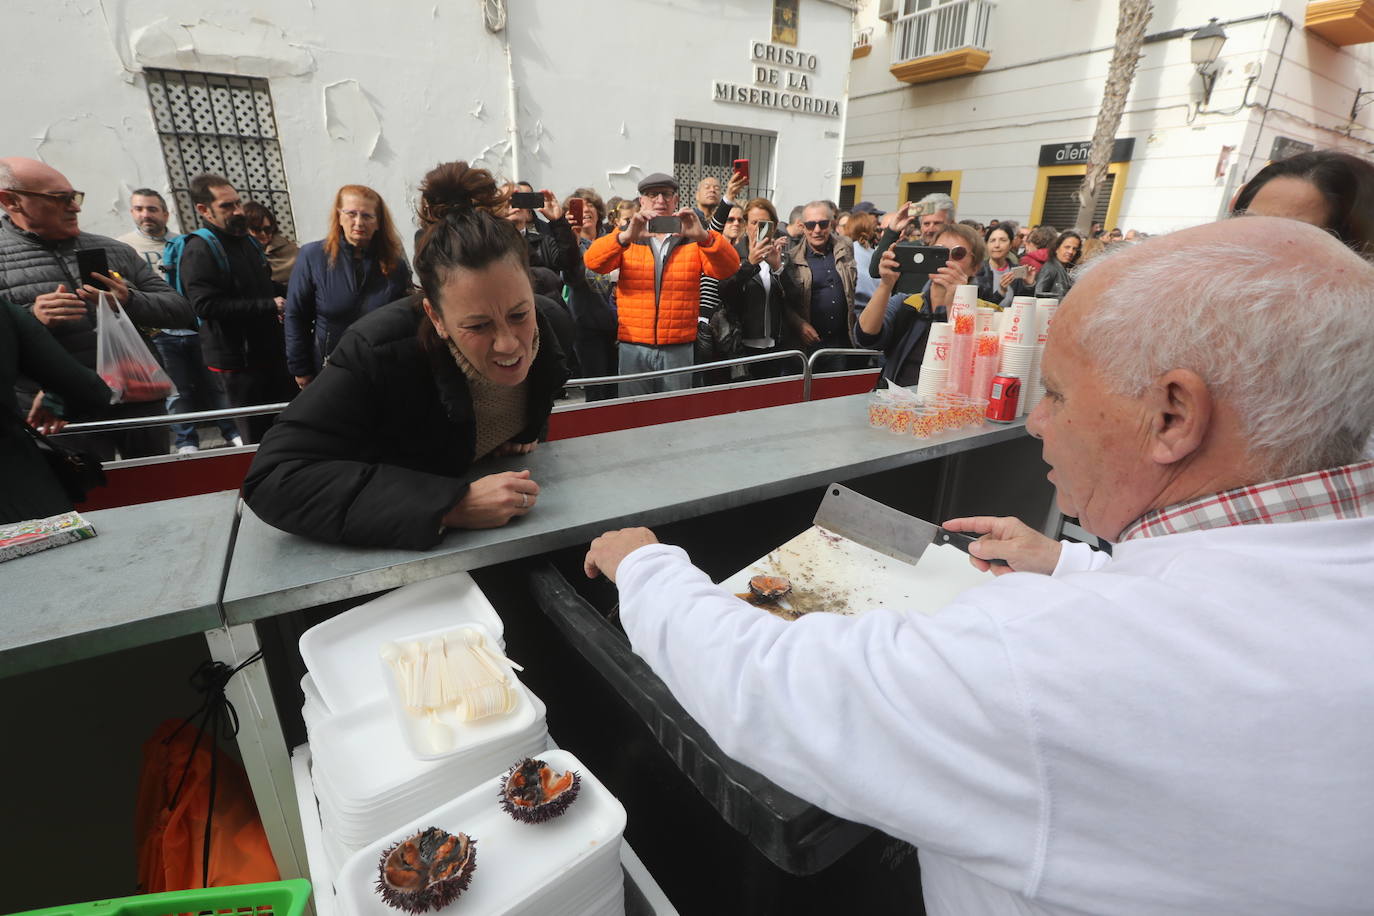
{"points": [[794, 835]]}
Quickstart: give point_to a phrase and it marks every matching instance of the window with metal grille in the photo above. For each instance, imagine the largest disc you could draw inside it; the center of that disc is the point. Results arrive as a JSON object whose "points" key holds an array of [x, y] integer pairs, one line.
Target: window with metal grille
{"points": [[700, 151], [847, 196], [213, 122], [1061, 200]]}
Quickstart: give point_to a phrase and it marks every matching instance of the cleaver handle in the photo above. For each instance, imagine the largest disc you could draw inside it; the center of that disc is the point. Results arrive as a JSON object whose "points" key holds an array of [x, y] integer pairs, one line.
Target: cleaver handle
{"points": [[961, 540]]}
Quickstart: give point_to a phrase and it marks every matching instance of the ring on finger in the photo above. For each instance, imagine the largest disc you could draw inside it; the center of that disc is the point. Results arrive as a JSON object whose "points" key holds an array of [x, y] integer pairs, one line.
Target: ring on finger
{"points": [[524, 500]]}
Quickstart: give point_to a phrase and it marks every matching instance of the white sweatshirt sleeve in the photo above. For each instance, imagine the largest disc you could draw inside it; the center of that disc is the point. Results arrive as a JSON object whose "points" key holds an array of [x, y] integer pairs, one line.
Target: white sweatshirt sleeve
{"points": [[913, 724]]}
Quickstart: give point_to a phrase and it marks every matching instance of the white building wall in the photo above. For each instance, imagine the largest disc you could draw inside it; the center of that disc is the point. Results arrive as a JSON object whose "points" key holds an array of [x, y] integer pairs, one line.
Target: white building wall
{"points": [[379, 93], [1043, 85]]}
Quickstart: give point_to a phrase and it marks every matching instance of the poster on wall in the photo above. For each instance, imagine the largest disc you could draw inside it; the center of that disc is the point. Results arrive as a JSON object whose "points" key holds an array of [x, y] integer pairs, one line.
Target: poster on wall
{"points": [[785, 21]]}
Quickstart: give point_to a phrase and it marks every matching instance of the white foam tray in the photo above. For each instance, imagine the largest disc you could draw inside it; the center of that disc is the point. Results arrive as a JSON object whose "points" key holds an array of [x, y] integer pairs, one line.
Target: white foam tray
{"points": [[517, 864], [367, 758], [845, 577], [341, 652]]}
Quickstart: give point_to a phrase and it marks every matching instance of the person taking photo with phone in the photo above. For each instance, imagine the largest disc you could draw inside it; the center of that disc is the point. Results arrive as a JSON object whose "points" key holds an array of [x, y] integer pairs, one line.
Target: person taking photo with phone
{"points": [[661, 255], [899, 324]]}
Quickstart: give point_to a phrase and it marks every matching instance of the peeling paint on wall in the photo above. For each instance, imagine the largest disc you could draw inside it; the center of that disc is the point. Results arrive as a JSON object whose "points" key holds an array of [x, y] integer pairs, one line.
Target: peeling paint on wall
{"points": [[625, 182], [87, 151], [350, 117], [248, 46], [494, 157]]}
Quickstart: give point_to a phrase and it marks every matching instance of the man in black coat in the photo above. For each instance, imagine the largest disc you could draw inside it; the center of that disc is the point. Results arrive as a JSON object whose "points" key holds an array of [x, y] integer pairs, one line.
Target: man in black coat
{"points": [[230, 288]]}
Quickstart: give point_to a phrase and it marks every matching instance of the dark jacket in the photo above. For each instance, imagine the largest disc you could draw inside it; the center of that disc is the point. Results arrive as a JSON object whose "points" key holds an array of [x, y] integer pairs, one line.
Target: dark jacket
{"points": [[554, 245], [755, 311], [238, 312], [376, 450], [1054, 281], [28, 488], [796, 278], [323, 300], [30, 267]]}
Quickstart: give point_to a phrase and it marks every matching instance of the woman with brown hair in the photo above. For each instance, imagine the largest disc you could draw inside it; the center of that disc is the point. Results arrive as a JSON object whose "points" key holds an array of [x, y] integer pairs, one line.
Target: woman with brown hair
{"points": [[359, 266], [378, 450]]}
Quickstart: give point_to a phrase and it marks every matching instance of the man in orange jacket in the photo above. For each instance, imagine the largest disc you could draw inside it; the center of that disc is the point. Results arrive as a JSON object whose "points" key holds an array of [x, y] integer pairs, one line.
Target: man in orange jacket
{"points": [[659, 293]]}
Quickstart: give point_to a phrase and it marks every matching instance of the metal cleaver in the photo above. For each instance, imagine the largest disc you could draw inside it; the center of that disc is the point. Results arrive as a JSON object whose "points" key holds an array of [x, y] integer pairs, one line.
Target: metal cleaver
{"points": [[882, 528]]}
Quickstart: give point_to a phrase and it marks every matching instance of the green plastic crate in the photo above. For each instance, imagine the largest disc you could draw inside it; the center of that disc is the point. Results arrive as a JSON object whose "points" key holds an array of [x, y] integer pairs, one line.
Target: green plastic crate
{"points": [[274, 898]]}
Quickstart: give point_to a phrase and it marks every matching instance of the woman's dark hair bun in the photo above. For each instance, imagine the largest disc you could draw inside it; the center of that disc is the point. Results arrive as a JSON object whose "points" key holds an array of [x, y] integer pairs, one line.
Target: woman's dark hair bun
{"points": [[454, 188]]}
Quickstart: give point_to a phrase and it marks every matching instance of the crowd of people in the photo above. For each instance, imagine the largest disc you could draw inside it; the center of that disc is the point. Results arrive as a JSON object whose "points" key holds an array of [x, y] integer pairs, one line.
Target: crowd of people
{"points": [[239, 315]]}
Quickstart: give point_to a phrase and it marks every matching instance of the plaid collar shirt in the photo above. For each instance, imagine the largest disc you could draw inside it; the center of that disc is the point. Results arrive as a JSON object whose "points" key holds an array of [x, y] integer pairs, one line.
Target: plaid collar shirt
{"points": [[1343, 492]]}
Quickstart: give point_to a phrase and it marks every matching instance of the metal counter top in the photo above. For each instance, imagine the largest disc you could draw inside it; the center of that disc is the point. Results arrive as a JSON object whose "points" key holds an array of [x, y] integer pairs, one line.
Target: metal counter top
{"points": [[646, 476], [152, 572]]}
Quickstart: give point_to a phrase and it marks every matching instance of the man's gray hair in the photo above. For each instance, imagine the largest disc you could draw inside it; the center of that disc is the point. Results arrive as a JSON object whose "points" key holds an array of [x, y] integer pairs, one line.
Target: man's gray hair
{"points": [[6, 176], [822, 203], [1289, 346], [934, 203]]}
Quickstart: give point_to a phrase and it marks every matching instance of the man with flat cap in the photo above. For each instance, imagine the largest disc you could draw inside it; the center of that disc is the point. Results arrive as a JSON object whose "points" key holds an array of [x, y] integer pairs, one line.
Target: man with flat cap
{"points": [[1182, 727], [659, 292]]}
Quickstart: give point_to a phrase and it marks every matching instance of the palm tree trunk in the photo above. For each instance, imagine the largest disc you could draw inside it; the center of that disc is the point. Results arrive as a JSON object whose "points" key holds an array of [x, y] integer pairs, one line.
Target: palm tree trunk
{"points": [[1132, 18]]}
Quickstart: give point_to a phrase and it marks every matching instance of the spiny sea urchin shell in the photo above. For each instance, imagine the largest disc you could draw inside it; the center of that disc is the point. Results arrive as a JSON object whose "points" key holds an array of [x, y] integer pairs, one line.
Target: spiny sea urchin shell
{"points": [[770, 588], [426, 871], [534, 792]]}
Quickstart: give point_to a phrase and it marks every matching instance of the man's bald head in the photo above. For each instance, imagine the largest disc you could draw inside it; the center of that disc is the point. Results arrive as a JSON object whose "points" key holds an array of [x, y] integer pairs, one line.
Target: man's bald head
{"points": [[27, 189], [1276, 316]]}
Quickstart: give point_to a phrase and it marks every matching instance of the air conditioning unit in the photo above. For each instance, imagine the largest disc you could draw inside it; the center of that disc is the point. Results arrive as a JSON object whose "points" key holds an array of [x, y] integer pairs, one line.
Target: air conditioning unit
{"points": [[888, 10]]}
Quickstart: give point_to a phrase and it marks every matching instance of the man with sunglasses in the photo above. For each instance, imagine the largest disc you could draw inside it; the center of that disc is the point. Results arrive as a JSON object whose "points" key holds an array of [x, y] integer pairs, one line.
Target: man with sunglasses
{"points": [[40, 234], [819, 277]]}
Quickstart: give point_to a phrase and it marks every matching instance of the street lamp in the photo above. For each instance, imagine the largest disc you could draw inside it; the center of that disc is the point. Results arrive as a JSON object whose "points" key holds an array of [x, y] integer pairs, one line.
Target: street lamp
{"points": [[1206, 45]]}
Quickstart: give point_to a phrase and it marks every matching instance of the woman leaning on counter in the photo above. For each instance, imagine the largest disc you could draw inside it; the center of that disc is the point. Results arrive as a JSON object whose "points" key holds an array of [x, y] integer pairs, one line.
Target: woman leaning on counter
{"points": [[376, 450]]}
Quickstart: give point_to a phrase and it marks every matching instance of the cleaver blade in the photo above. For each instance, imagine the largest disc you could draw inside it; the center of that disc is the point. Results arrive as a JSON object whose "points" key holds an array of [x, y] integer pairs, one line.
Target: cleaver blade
{"points": [[882, 528]]}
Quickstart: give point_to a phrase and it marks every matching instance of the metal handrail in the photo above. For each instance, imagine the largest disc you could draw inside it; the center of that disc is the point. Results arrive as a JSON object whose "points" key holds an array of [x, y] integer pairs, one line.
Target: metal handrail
{"points": [[829, 351], [231, 413], [681, 370]]}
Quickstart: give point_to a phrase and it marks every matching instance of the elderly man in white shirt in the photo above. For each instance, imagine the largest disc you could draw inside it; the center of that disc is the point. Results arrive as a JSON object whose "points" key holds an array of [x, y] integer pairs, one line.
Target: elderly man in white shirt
{"points": [[1184, 727]]}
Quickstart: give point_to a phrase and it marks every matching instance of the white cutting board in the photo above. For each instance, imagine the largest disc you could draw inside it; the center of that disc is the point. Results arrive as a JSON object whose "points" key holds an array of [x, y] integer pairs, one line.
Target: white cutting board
{"points": [[832, 573]]}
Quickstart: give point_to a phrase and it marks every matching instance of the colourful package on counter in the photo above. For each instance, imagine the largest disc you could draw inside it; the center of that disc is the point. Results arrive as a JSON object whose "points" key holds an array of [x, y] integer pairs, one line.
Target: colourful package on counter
{"points": [[19, 539]]}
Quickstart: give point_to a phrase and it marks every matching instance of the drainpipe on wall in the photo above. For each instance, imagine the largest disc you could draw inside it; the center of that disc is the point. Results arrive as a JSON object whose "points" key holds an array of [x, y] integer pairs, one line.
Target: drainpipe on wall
{"points": [[494, 17]]}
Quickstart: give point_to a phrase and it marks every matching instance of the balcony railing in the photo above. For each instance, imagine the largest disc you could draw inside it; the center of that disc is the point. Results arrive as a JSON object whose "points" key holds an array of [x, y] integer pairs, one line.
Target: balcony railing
{"points": [[959, 26]]}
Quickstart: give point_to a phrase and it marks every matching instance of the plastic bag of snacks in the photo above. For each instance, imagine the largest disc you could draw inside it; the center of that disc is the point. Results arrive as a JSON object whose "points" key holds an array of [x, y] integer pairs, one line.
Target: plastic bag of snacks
{"points": [[123, 361]]}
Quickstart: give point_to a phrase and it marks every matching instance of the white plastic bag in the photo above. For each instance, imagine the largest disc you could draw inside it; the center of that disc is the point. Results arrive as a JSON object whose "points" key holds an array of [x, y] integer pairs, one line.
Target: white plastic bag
{"points": [[123, 360]]}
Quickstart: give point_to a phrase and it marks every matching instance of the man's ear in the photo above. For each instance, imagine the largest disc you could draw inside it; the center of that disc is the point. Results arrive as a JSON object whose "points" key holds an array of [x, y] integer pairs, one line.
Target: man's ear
{"points": [[1181, 407], [203, 210], [10, 201]]}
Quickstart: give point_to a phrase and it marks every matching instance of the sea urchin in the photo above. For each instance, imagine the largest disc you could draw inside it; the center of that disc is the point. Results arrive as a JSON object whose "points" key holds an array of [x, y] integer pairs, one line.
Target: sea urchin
{"points": [[426, 871], [534, 792]]}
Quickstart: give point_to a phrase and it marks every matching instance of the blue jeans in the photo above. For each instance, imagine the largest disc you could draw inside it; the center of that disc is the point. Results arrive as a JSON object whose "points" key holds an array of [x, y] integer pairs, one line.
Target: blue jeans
{"points": [[197, 388]]}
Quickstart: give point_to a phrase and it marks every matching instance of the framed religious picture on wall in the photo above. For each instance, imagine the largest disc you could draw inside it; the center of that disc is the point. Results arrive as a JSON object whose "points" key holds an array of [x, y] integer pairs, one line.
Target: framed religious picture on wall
{"points": [[785, 21]]}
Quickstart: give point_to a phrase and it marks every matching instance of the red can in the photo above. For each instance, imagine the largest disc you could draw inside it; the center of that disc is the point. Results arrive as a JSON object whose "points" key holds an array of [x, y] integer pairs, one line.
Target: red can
{"points": [[1003, 398]]}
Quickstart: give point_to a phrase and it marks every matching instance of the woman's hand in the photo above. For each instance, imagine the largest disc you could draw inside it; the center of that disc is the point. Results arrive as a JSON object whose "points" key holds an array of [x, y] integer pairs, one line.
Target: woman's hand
{"points": [[512, 447], [774, 255], [493, 500], [44, 420], [943, 283], [1010, 539], [889, 269], [759, 250]]}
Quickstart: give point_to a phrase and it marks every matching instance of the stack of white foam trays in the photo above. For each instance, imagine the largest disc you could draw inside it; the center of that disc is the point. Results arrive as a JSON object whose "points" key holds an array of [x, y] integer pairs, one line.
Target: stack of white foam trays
{"points": [[569, 864], [370, 774]]}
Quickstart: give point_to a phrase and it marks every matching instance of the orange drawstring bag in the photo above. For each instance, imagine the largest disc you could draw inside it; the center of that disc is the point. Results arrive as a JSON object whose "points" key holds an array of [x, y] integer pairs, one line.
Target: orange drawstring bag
{"points": [[196, 824]]}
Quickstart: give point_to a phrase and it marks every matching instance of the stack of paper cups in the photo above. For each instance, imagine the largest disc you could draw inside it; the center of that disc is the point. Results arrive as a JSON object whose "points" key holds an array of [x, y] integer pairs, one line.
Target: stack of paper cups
{"points": [[962, 314], [935, 362], [987, 353], [1019, 335], [1034, 388]]}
